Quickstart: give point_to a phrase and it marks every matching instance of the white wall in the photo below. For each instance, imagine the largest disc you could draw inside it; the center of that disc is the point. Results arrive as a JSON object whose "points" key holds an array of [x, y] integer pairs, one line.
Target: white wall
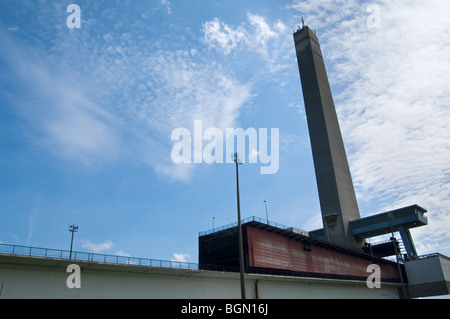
{"points": [[25, 277]]}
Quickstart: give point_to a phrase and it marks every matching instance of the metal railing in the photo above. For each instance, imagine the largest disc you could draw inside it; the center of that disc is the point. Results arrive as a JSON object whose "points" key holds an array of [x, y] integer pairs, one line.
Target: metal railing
{"points": [[433, 255], [94, 257], [243, 221], [18, 250]]}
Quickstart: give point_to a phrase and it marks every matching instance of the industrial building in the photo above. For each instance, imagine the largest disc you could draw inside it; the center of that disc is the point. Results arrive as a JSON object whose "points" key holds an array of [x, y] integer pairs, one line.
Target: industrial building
{"points": [[277, 250], [339, 250], [273, 250], [279, 262]]}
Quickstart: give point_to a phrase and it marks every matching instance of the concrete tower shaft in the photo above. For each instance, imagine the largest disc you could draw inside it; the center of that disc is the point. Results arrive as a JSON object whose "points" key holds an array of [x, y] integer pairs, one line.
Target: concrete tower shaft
{"points": [[336, 192]]}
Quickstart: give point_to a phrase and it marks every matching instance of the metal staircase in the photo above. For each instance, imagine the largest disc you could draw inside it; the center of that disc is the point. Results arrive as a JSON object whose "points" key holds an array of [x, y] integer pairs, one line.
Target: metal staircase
{"points": [[402, 252]]}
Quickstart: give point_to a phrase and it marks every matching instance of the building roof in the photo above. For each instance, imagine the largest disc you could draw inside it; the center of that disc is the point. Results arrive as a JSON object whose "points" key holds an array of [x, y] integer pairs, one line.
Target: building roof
{"points": [[291, 234]]}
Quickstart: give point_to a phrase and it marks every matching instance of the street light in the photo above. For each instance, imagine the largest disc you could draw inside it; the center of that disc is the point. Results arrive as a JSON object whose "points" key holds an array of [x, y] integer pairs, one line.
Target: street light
{"points": [[72, 229], [238, 162], [267, 216], [394, 242]]}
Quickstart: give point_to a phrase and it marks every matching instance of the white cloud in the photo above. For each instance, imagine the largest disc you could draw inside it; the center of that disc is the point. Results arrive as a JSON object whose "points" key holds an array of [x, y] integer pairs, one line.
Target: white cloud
{"points": [[263, 32], [167, 5], [266, 42], [187, 88], [180, 257], [256, 36], [65, 120], [122, 253], [97, 248], [161, 90], [392, 98], [253, 156], [220, 35], [115, 98], [191, 89], [326, 13], [314, 222]]}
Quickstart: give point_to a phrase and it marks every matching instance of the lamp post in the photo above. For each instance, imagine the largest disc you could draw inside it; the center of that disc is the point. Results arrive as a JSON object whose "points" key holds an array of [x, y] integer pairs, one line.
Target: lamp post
{"points": [[267, 216], [238, 162], [394, 242], [72, 229]]}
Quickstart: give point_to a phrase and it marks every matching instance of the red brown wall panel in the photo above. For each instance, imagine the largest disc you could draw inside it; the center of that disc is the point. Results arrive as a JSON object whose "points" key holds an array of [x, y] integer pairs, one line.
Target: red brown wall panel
{"points": [[274, 251]]}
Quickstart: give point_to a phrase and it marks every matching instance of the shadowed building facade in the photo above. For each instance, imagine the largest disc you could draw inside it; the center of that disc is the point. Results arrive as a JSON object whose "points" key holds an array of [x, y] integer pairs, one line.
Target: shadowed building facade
{"points": [[336, 192]]}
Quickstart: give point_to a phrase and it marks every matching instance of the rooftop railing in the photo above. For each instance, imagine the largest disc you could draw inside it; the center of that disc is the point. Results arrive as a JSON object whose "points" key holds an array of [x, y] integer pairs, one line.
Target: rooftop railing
{"points": [[243, 221], [6, 249]]}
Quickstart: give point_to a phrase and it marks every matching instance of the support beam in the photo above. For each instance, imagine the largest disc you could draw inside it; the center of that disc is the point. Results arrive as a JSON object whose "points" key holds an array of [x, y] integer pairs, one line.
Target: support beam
{"points": [[407, 241]]}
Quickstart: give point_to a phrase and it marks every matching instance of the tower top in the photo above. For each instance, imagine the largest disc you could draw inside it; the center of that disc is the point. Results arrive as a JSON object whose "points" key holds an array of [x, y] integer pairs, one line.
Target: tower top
{"points": [[303, 33], [306, 29]]}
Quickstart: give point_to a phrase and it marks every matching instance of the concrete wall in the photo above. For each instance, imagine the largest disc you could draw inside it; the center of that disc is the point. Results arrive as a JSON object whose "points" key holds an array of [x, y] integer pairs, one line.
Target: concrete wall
{"points": [[25, 277], [429, 276]]}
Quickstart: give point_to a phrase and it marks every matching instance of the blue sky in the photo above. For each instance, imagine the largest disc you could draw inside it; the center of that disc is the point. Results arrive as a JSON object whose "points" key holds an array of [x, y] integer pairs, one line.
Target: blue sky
{"points": [[86, 117]]}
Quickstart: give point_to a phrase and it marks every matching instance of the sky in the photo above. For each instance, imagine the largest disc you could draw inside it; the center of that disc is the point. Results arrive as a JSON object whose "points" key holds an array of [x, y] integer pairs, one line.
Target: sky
{"points": [[88, 115]]}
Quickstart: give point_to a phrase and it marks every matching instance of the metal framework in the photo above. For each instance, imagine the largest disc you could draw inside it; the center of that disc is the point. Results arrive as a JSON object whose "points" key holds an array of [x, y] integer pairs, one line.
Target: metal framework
{"points": [[399, 220]]}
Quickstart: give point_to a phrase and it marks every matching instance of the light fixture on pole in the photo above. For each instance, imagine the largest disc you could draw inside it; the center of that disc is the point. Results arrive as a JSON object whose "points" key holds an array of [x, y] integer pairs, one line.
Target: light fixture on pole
{"points": [[238, 162], [72, 229], [267, 215], [394, 242]]}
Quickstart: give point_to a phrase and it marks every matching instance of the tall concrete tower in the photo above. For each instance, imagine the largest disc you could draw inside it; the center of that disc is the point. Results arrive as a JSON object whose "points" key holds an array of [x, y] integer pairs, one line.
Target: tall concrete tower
{"points": [[336, 193]]}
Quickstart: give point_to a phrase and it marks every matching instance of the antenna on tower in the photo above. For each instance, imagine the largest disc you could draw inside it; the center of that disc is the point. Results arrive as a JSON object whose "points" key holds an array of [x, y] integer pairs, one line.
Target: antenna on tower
{"points": [[303, 22]]}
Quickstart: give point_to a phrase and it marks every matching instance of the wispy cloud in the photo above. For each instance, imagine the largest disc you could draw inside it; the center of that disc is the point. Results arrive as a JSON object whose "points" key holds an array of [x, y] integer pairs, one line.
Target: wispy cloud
{"points": [[263, 32], [115, 88], [218, 34], [392, 98], [167, 5], [180, 257], [122, 253], [266, 40], [68, 122], [97, 248], [257, 33], [103, 248]]}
